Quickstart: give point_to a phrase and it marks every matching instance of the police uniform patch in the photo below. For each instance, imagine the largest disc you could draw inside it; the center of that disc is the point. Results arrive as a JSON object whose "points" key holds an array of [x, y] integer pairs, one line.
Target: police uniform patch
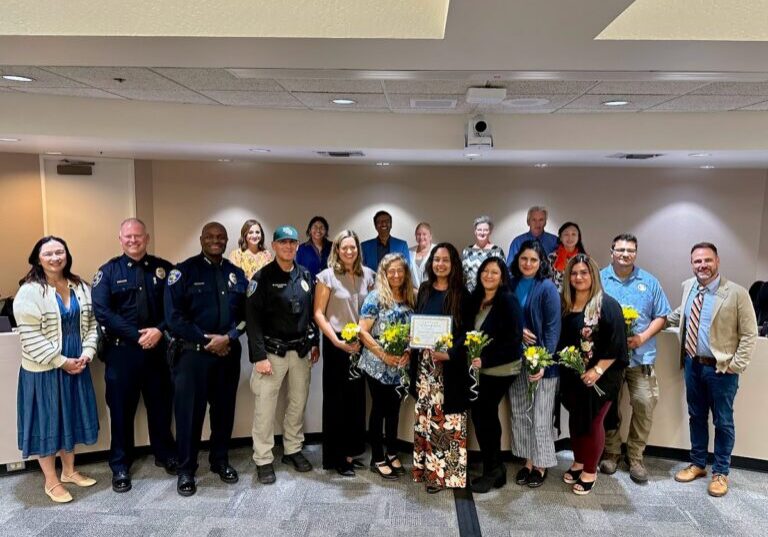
{"points": [[232, 278], [160, 272], [97, 278], [174, 276], [252, 285], [305, 286], [641, 287]]}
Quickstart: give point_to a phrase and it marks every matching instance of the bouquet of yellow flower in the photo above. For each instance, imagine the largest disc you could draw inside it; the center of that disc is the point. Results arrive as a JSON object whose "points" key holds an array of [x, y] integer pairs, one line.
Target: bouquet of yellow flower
{"points": [[571, 358], [394, 339], [475, 342], [351, 335], [444, 343], [631, 315], [534, 360]]}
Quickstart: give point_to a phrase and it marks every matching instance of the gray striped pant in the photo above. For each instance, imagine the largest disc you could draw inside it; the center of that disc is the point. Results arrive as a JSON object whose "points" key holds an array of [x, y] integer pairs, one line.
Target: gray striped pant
{"points": [[533, 432]]}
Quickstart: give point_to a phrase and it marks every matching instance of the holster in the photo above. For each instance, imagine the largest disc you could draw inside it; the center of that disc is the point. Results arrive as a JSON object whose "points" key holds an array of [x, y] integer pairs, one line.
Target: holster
{"points": [[275, 346], [173, 350]]}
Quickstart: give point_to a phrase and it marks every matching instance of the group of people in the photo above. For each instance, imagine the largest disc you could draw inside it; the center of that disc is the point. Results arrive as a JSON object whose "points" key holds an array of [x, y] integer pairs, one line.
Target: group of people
{"points": [[172, 335]]}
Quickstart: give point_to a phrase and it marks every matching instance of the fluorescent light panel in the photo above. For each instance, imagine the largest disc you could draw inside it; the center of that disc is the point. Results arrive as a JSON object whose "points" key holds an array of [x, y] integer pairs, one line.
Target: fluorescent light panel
{"points": [[360, 19]]}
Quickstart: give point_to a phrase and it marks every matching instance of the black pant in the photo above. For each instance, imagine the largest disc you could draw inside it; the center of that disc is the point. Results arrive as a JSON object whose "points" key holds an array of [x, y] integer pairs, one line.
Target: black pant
{"points": [[485, 417], [385, 414], [343, 408], [202, 378], [130, 372]]}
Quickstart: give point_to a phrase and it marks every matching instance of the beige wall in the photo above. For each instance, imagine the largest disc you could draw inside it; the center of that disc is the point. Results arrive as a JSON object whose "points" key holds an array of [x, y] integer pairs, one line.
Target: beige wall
{"points": [[21, 213], [762, 265]]}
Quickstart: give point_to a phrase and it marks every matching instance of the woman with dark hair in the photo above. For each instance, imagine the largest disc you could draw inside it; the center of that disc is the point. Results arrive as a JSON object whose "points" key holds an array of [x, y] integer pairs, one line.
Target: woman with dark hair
{"points": [[533, 432], [56, 402], [250, 254], [568, 245], [313, 254], [495, 311], [592, 323], [339, 294], [440, 380], [392, 301]]}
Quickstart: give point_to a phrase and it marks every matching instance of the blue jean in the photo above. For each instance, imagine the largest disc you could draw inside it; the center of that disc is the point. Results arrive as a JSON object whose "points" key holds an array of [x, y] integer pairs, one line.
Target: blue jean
{"points": [[706, 390]]}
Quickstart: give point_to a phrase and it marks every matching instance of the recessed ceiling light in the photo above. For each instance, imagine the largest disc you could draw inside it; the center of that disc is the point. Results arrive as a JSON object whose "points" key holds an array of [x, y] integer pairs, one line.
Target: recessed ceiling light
{"points": [[707, 167], [53, 152], [382, 164], [344, 102], [225, 160], [9, 139], [617, 102], [540, 165], [259, 150], [699, 155], [525, 102], [18, 78]]}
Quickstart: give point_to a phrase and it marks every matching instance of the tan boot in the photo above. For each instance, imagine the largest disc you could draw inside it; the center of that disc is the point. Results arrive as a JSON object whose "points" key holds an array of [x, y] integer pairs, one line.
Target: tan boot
{"points": [[718, 486], [689, 473]]}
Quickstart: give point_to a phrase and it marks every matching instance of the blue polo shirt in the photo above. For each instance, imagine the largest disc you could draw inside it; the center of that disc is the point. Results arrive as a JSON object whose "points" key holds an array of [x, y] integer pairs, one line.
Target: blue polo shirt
{"points": [[548, 242], [642, 291], [705, 318]]}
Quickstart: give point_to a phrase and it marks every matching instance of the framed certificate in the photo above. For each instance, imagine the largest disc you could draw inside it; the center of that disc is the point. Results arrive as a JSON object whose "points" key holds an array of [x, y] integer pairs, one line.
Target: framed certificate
{"points": [[426, 329]]}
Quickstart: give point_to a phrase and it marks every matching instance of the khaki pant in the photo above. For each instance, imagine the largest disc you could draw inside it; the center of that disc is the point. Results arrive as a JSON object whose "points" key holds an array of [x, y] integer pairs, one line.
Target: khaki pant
{"points": [[266, 388], [643, 396]]}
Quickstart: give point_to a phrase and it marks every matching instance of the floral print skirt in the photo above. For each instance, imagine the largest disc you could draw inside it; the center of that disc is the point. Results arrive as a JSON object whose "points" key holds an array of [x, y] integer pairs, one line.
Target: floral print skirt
{"points": [[440, 440]]}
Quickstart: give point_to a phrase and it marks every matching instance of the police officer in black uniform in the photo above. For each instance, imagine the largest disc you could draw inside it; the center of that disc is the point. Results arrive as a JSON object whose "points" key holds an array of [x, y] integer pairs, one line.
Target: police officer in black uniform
{"points": [[204, 309], [128, 303], [282, 340]]}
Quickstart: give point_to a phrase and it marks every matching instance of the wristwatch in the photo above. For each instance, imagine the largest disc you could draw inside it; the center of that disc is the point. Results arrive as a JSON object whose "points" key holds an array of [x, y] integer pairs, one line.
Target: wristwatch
{"points": [[599, 370]]}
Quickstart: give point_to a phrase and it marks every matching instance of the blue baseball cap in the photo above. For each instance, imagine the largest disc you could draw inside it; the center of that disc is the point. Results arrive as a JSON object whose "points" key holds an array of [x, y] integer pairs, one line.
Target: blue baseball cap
{"points": [[285, 233]]}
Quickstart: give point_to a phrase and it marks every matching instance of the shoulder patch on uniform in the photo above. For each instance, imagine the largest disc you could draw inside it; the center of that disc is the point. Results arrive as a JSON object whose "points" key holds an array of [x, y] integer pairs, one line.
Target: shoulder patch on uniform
{"points": [[252, 285], [174, 276], [305, 286], [97, 278], [233, 278], [160, 272]]}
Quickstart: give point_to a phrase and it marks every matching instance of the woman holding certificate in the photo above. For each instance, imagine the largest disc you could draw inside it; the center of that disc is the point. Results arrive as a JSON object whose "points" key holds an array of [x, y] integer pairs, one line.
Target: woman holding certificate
{"points": [[440, 381], [391, 301], [593, 325], [339, 293], [495, 312]]}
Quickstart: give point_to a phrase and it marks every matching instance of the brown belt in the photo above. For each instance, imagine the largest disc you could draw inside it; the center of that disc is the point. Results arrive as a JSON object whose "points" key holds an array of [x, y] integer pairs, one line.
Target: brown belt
{"points": [[705, 360]]}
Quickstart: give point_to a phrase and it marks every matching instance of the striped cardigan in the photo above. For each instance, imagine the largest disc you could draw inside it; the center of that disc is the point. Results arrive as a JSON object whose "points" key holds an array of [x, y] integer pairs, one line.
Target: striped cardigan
{"points": [[39, 320]]}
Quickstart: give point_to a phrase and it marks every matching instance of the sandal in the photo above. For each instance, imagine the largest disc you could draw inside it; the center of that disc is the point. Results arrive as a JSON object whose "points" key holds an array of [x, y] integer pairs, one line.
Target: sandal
{"points": [[537, 477], [396, 465], [522, 476], [434, 489], [571, 476], [586, 487], [380, 467]]}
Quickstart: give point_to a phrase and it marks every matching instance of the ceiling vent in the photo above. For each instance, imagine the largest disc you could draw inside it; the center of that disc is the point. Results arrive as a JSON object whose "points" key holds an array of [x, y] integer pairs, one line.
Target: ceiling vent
{"points": [[340, 154], [635, 156], [434, 104]]}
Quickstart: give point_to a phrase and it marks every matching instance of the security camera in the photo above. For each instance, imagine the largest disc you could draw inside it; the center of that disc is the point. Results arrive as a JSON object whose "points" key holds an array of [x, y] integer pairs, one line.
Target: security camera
{"points": [[478, 135]]}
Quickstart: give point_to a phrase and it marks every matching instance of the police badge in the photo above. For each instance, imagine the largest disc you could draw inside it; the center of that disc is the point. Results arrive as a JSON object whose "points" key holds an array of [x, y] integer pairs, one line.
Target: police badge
{"points": [[160, 272]]}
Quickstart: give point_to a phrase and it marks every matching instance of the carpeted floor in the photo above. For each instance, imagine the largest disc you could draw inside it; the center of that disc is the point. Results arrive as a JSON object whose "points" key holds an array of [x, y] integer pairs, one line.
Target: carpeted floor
{"points": [[323, 504]]}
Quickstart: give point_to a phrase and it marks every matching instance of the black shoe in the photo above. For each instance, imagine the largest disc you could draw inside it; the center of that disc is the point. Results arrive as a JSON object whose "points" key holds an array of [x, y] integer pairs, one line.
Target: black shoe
{"points": [[376, 468], [357, 463], [266, 474], [434, 489], [495, 479], [226, 473], [399, 470], [298, 461], [345, 469], [522, 476], [121, 482], [171, 464], [185, 485], [537, 478]]}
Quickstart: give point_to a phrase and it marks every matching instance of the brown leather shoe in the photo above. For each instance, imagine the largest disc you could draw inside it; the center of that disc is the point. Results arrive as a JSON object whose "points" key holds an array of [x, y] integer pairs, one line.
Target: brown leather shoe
{"points": [[718, 486], [637, 471], [689, 473]]}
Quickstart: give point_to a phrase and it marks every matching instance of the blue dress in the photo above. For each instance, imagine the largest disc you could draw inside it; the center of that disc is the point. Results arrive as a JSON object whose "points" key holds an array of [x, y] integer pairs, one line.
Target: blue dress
{"points": [[57, 410]]}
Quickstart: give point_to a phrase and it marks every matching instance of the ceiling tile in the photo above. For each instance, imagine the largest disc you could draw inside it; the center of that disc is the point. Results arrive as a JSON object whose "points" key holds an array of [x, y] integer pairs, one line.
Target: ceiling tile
{"points": [[661, 87], [71, 92], [42, 78], [216, 79], [104, 77], [734, 88], [402, 101], [428, 87], [322, 101], [446, 111], [595, 102], [265, 99], [6, 90], [546, 87], [316, 85], [707, 103], [555, 102], [165, 96]]}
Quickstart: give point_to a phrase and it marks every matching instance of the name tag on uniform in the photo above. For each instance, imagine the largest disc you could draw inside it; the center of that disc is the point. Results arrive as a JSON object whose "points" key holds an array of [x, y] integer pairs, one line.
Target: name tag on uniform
{"points": [[198, 283], [279, 285], [121, 281]]}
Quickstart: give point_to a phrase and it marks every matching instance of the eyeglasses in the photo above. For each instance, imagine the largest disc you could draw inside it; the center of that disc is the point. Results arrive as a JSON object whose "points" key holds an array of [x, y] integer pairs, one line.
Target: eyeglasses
{"points": [[630, 251]]}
